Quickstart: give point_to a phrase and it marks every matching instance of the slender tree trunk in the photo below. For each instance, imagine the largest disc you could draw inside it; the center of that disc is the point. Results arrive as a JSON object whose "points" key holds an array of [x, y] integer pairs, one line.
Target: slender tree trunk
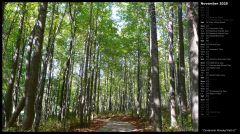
{"points": [[149, 101], [17, 83], [67, 73], [193, 62], [149, 97], [99, 88], [126, 86], [178, 98], [96, 81], [84, 84], [94, 66], [165, 72], [138, 82], [121, 101], [96, 54], [81, 98], [56, 31], [172, 70], [83, 119], [90, 92], [43, 76], [155, 84], [63, 94], [183, 97], [110, 97]]}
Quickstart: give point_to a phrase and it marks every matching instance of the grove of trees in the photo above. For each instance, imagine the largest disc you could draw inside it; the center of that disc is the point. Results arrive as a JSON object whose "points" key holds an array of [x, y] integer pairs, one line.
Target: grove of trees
{"points": [[73, 61]]}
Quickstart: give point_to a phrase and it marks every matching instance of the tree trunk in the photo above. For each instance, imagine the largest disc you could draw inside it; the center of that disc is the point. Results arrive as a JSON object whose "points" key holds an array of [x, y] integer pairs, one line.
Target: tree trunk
{"points": [[17, 84], [155, 84], [89, 85], [126, 86], [90, 94], [44, 72], [110, 97], [86, 71], [149, 96], [16, 112], [182, 91], [138, 82], [63, 94], [9, 94], [81, 97], [97, 79], [96, 52], [32, 80], [172, 69], [56, 31], [98, 90], [193, 62]]}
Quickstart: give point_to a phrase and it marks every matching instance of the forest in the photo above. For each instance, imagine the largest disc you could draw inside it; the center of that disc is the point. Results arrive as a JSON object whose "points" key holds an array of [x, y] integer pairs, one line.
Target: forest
{"points": [[99, 66]]}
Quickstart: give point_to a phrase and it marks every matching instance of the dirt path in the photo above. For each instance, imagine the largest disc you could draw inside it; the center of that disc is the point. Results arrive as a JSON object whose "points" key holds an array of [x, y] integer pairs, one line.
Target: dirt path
{"points": [[116, 126]]}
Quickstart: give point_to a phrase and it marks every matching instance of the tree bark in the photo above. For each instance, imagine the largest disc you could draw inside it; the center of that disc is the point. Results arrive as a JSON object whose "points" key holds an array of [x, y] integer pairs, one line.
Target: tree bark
{"points": [[155, 83], [56, 31], [16, 112], [43, 76], [110, 97], [89, 55], [172, 69], [183, 97], [63, 93], [193, 62], [83, 118], [32, 80], [98, 88], [96, 46], [139, 94]]}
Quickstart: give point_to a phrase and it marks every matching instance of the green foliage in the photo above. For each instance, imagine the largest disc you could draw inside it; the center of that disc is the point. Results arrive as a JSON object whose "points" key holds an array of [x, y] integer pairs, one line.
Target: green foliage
{"points": [[119, 42], [15, 129], [52, 124]]}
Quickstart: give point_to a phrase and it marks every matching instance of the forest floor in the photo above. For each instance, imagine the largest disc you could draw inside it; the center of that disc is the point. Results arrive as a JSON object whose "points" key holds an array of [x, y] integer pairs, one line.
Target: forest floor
{"points": [[116, 123]]}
